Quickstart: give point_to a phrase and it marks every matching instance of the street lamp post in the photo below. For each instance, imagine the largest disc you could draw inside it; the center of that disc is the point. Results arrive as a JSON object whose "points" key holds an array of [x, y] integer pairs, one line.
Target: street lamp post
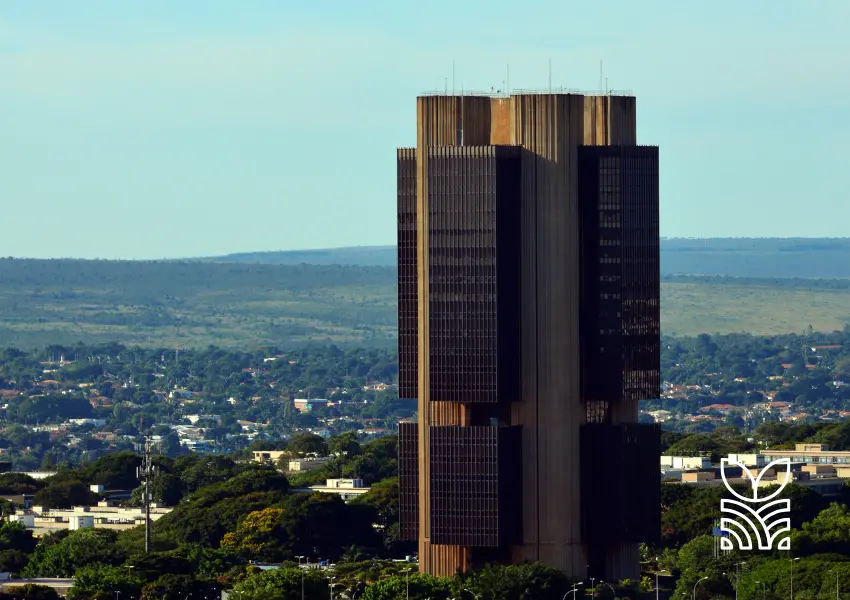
{"points": [[572, 591], [592, 579], [474, 595], [657, 567], [300, 568], [407, 591], [613, 591], [694, 593], [737, 577], [763, 591], [792, 576], [836, 583]]}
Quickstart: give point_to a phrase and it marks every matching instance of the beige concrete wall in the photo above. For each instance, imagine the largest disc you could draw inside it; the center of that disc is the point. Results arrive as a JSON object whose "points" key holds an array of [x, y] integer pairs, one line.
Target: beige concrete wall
{"points": [[550, 128], [441, 121], [698, 476], [810, 447], [500, 121], [818, 469], [610, 120]]}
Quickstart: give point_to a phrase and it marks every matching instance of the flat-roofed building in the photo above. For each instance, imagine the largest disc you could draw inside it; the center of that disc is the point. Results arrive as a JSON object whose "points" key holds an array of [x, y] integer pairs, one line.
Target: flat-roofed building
{"points": [[749, 460], [307, 464], [103, 516], [693, 476], [529, 331], [819, 470], [268, 456], [347, 489], [686, 462], [811, 454]]}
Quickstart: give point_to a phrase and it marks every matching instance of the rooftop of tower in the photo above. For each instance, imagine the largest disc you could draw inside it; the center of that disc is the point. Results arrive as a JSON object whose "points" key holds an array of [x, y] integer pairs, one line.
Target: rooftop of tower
{"points": [[496, 92]]}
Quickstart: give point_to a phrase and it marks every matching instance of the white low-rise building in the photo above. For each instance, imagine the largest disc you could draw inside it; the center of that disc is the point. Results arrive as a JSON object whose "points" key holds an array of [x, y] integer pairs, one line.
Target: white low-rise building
{"points": [[307, 464], [345, 488], [104, 516], [36, 474], [811, 454], [307, 404], [27, 520], [748, 460], [94, 422], [268, 456], [686, 462], [80, 522]]}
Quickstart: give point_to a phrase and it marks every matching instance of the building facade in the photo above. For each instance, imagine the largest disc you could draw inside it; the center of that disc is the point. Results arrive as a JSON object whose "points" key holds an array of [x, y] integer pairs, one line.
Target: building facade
{"points": [[810, 454], [528, 266]]}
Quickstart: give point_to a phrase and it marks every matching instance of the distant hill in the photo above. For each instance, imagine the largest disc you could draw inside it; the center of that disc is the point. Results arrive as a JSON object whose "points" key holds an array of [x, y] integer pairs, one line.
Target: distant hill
{"points": [[734, 257], [361, 256], [194, 304], [826, 258], [238, 305]]}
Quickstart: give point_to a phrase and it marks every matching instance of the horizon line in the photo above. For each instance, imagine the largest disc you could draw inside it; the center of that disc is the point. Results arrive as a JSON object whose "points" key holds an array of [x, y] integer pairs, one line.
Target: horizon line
{"points": [[372, 247]]}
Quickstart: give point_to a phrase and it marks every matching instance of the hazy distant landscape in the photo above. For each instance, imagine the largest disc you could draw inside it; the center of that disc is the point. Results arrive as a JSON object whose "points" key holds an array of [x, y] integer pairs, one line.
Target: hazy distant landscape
{"points": [[735, 257], [348, 295], [193, 304]]}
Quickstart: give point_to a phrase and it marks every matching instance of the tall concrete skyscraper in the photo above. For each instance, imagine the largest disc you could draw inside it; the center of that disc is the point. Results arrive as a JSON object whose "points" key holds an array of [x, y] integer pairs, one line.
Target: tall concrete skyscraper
{"points": [[528, 267]]}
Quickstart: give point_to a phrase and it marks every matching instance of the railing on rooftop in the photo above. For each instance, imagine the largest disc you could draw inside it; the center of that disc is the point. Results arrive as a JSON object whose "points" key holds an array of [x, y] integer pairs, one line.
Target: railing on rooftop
{"points": [[497, 93], [492, 93]]}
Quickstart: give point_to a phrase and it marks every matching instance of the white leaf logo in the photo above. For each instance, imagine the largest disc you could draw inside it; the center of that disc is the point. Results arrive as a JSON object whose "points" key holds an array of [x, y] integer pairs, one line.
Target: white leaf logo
{"points": [[744, 522]]}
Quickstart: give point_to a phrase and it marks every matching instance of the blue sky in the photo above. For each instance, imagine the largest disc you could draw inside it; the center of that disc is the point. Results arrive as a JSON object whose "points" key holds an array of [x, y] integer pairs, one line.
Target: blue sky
{"points": [[155, 128]]}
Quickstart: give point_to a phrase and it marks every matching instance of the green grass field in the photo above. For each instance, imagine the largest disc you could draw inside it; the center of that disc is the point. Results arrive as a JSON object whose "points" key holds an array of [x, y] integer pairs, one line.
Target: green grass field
{"points": [[693, 308], [170, 304], [246, 306]]}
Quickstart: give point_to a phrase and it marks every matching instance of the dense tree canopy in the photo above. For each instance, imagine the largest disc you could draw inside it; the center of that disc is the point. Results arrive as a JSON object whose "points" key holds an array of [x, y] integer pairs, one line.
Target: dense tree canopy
{"points": [[177, 587], [230, 511], [19, 483], [64, 493], [313, 525], [283, 583], [73, 551], [216, 509], [128, 391], [29, 592], [98, 581], [51, 408]]}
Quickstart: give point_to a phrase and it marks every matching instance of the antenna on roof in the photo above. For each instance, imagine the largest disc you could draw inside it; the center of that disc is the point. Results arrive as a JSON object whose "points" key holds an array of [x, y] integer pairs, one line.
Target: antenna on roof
{"points": [[453, 77], [461, 115], [550, 75], [508, 79], [600, 76]]}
